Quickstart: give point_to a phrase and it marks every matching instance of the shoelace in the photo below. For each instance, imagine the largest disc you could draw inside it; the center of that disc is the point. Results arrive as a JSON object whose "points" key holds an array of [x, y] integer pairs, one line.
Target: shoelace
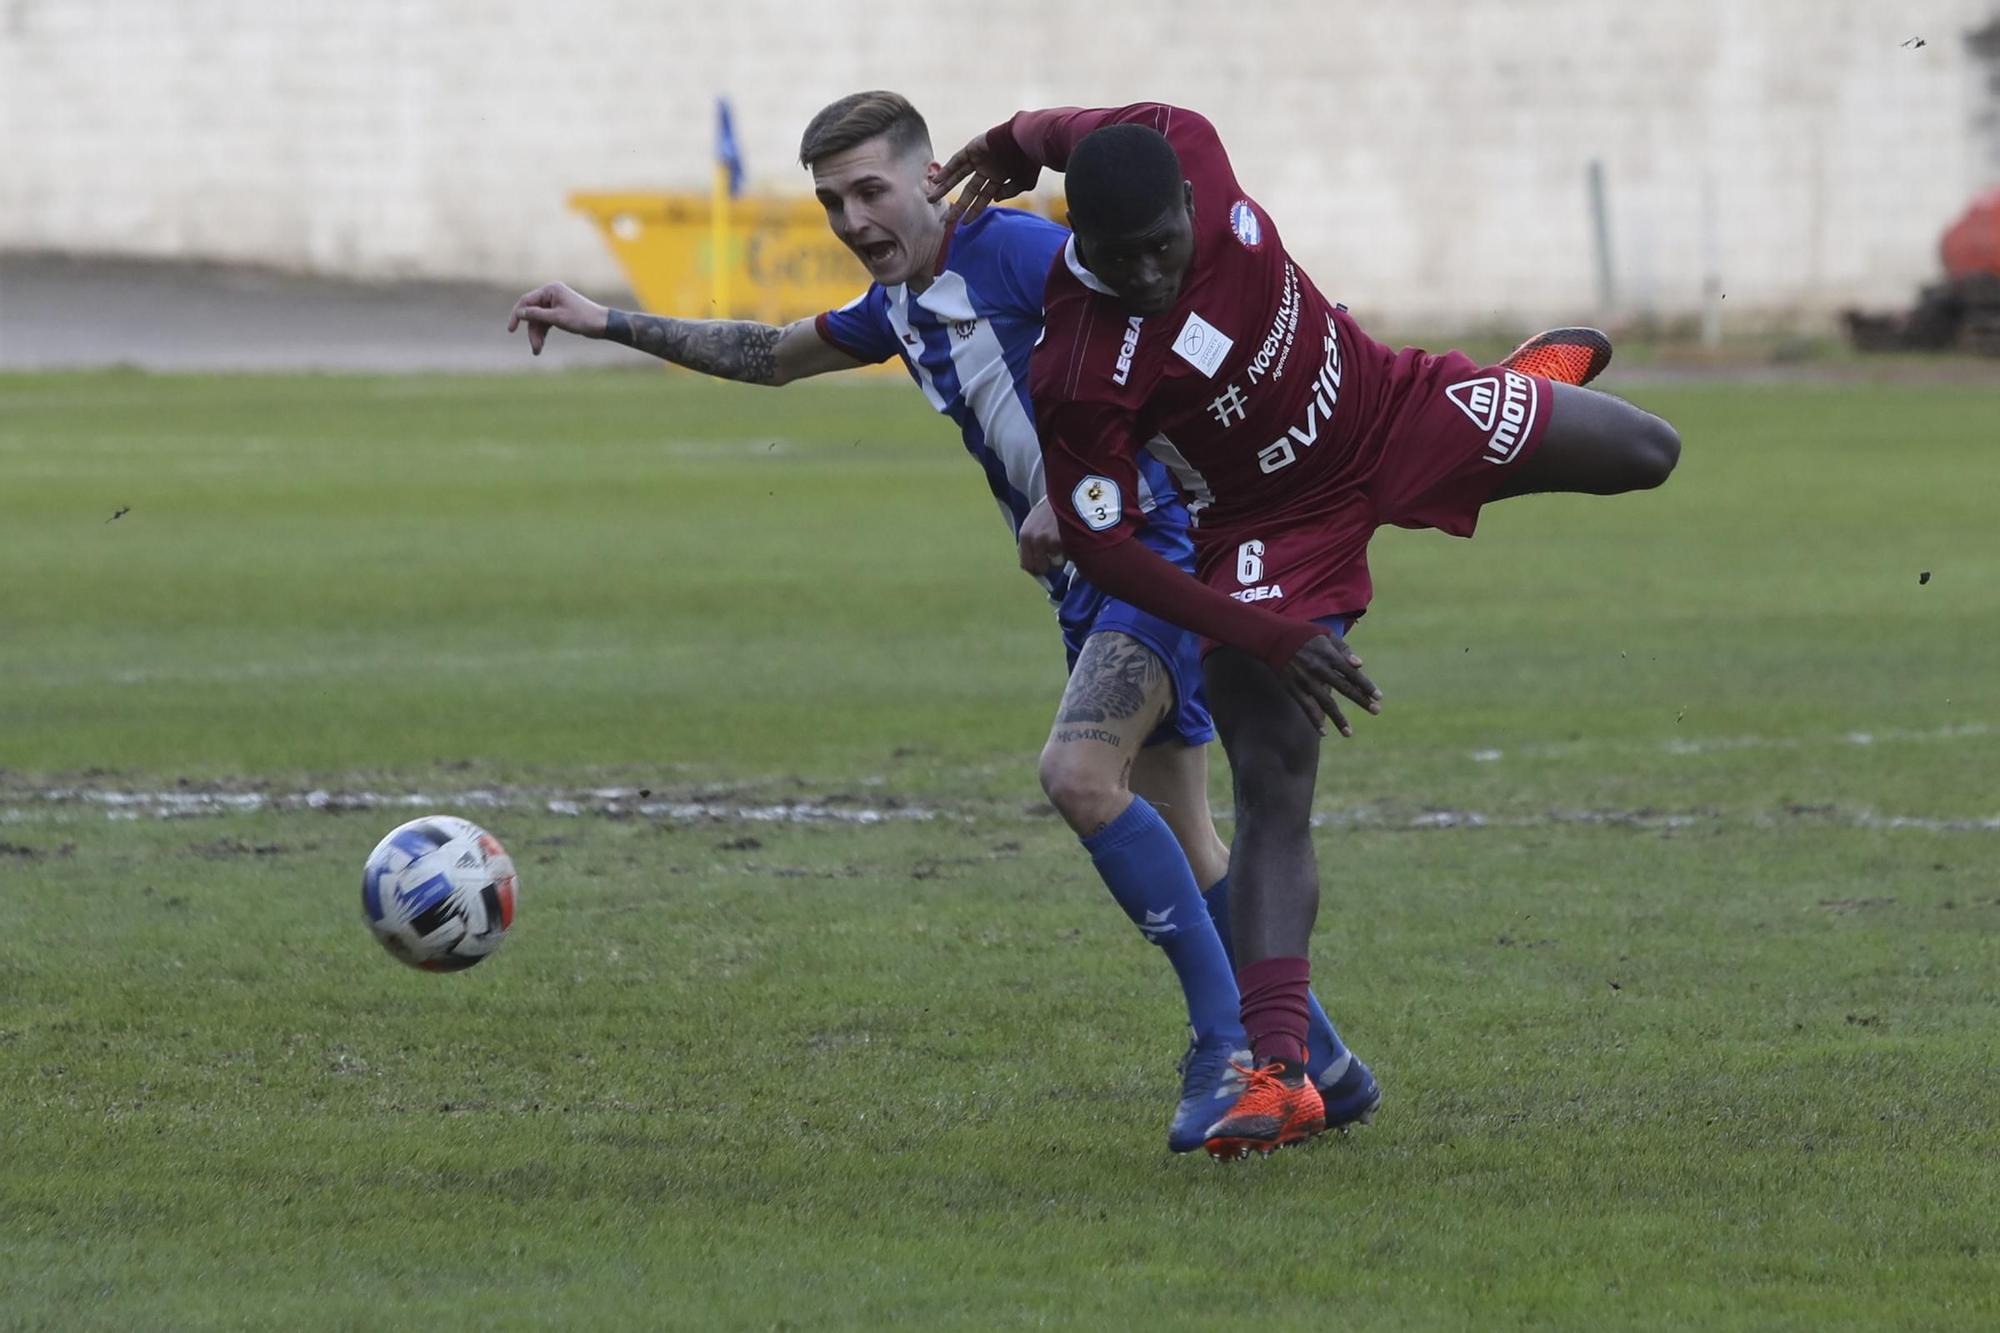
{"points": [[1257, 1077]]}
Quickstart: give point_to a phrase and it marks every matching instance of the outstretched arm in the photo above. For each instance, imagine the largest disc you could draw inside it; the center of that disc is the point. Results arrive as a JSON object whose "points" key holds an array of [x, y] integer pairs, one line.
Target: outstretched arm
{"points": [[731, 349]]}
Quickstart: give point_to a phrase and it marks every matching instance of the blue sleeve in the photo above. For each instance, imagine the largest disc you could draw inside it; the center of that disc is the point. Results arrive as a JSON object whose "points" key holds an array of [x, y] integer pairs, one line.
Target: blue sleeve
{"points": [[861, 327]]}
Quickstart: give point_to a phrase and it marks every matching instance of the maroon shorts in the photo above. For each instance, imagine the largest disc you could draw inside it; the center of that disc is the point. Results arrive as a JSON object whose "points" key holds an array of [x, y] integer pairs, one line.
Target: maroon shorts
{"points": [[1434, 437]]}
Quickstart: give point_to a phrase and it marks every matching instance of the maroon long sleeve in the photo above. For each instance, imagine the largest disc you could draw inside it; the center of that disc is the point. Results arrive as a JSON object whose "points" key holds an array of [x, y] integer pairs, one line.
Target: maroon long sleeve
{"points": [[1133, 572], [1031, 140]]}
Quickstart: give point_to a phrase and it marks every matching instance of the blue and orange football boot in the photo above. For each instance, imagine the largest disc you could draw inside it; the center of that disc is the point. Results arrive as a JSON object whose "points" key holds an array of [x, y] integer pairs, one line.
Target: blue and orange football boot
{"points": [[1210, 1085], [1349, 1091], [1279, 1107]]}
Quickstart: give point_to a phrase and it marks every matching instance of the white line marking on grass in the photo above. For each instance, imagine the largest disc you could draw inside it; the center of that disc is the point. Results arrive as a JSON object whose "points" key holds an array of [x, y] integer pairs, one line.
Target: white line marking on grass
{"points": [[1370, 817], [1366, 817], [251, 670], [599, 801], [1928, 824], [627, 803], [1698, 745]]}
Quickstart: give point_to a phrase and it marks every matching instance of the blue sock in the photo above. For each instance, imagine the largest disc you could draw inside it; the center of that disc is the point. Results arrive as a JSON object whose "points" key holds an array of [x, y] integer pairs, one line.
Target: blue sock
{"points": [[1324, 1049], [1148, 874]]}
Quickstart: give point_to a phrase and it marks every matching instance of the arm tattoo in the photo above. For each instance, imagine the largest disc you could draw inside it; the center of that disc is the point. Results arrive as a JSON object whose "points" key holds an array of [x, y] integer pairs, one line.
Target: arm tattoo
{"points": [[733, 349], [1111, 680]]}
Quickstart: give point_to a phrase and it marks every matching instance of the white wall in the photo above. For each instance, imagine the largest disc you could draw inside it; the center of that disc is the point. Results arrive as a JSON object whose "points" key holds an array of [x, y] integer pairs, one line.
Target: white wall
{"points": [[1425, 160]]}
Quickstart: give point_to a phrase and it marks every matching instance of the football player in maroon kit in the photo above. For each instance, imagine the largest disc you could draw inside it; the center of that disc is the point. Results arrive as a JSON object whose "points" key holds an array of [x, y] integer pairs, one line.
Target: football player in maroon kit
{"points": [[1176, 323]]}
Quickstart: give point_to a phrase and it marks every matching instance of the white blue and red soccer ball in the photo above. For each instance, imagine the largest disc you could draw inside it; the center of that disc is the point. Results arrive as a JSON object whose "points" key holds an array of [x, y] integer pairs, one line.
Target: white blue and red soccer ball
{"points": [[439, 893]]}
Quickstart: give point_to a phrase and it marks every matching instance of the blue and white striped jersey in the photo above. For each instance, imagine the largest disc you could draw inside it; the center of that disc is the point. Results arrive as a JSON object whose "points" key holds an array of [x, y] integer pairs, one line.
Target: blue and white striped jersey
{"points": [[966, 340]]}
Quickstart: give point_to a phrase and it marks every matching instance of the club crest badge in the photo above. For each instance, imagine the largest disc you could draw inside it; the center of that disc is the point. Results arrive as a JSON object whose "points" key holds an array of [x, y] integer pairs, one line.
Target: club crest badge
{"points": [[1244, 222]]}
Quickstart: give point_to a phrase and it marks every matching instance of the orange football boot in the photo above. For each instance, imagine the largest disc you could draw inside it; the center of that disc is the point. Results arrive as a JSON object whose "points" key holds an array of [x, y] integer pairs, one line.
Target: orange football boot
{"points": [[1279, 1106], [1567, 356]]}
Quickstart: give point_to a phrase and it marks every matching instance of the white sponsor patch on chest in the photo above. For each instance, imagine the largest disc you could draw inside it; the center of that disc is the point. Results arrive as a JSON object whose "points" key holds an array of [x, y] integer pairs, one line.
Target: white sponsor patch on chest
{"points": [[1202, 345]]}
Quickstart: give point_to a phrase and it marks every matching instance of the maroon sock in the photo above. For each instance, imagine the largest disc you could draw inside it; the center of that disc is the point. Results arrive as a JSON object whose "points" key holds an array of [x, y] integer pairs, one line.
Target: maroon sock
{"points": [[1275, 1010]]}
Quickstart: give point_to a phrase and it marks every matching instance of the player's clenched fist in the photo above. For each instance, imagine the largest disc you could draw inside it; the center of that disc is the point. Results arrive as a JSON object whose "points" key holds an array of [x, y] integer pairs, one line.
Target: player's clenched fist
{"points": [[1322, 668], [1041, 540], [557, 305]]}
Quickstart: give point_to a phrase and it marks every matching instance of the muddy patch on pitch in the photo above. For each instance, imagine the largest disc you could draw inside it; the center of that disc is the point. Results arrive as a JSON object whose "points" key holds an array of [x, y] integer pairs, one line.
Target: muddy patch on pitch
{"points": [[230, 849], [17, 851], [1848, 906]]}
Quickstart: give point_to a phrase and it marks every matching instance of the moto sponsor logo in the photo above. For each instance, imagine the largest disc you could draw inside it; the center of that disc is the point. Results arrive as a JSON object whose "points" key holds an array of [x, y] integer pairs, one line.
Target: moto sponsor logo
{"points": [[1478, 399], [1518, 404], [1504, 406]]}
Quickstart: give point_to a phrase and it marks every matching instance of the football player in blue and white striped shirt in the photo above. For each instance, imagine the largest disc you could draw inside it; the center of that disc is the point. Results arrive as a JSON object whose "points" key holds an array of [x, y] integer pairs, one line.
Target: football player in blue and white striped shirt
{"points": [[1126, 759]]}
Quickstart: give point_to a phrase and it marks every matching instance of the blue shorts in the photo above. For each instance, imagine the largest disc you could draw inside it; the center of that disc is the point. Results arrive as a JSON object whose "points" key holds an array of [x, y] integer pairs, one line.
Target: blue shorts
{"points": [[1087, 611]]}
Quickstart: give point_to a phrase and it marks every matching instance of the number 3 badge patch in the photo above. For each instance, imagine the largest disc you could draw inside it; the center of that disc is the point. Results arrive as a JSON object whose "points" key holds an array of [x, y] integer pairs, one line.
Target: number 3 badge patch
{"points": [[1098, 503]]}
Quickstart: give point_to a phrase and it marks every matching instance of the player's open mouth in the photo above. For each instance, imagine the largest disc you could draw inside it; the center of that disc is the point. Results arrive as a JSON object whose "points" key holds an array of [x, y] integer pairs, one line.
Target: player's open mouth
{"points": [[878, 254]]}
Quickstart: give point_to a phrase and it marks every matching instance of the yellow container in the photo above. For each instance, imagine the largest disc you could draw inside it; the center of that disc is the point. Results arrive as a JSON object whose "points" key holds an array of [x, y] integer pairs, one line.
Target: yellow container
{"points": [[784, 262]]}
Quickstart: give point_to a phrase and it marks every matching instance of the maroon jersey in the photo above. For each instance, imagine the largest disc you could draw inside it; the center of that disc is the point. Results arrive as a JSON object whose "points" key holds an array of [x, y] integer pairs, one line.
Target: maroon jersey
{"points": [[1293, 434], [1239, 390]]}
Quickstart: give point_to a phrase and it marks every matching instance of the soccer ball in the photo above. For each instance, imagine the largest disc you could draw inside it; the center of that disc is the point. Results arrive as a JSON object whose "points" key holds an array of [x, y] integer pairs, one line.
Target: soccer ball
{"points": [[439, 893]]}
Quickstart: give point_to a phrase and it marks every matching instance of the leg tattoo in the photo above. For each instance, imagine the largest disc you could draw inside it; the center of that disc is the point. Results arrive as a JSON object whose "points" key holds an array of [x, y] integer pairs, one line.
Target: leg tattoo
{"points": [[1112, 680]]}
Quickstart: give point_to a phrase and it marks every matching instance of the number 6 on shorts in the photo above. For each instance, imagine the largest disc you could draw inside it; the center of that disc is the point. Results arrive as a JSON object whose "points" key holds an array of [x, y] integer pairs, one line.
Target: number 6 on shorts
{"points": [[1249, 563]]}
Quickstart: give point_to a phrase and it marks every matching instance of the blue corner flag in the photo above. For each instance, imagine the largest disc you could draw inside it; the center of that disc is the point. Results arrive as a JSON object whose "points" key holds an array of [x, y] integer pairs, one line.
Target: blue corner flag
{"points": [[727, 156]]}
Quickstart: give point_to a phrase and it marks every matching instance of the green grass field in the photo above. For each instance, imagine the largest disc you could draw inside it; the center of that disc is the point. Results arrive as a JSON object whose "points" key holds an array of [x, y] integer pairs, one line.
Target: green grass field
{"points": [[1661, 897]]}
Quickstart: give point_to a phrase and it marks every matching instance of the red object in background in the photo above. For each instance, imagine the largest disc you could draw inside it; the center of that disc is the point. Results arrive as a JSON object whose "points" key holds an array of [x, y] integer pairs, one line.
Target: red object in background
{"points": [[1972, 245]]}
